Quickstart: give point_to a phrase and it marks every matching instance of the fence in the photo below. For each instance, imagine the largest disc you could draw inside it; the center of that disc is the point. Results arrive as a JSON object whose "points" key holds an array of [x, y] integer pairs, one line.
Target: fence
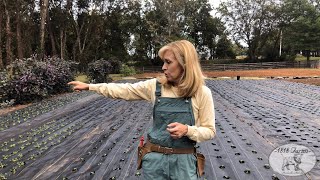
{"points": [[245, 66]]}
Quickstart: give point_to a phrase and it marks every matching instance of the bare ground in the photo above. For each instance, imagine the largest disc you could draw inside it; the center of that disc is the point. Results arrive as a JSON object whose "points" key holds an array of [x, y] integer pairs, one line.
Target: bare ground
{"points": [[307, 76]]}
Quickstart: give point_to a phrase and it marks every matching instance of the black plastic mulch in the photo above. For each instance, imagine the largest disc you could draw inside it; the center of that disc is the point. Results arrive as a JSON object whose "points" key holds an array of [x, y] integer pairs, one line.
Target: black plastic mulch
{"points": [[96, 138]]}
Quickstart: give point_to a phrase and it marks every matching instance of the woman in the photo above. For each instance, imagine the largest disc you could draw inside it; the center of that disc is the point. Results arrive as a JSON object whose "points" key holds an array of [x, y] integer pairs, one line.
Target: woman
{"points": [[183, 112]]}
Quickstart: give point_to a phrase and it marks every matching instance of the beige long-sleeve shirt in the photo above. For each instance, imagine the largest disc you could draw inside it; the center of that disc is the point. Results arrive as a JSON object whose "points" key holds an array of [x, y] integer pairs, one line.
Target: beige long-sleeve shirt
{"points": [[202, 103]]}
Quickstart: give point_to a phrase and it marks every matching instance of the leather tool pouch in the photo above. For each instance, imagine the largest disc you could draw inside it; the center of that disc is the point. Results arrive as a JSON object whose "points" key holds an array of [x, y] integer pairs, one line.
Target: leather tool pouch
{"points": [[200, 164], [141, 152]]}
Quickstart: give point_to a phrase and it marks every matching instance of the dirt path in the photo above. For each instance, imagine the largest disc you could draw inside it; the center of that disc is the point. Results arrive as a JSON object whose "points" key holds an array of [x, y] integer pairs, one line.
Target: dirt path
{"points": [[294, 72], [306, 76]]}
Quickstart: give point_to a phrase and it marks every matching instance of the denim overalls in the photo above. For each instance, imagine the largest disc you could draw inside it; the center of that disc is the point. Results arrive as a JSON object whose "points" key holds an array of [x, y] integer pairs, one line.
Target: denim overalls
{"points": [[158, 166]]}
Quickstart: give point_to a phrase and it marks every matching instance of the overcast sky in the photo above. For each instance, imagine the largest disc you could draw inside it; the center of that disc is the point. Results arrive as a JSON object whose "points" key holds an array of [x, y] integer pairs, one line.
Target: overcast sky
{"points": [[215, 4]]}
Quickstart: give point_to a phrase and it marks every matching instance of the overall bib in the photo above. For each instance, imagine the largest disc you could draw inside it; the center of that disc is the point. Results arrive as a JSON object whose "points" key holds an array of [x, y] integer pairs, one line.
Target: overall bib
{"points": [[160, 166]]}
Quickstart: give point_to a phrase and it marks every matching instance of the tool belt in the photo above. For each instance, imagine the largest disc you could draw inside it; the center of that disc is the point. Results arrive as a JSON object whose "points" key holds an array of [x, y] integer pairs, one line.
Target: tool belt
{"points": [[167, 150], [150, 147]]}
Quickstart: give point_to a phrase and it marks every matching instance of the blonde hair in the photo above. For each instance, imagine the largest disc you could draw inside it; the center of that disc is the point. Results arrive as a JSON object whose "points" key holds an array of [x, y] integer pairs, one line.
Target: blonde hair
{"points": [[192, 78]]}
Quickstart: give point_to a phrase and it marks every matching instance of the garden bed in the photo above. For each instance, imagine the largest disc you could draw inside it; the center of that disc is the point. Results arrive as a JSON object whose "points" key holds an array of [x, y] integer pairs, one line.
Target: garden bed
{"points": [[88, 136]]}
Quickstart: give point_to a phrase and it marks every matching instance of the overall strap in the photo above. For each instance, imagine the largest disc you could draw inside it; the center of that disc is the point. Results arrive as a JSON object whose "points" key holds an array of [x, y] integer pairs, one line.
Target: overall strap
{"points": [[158, 89], [191, 110]]}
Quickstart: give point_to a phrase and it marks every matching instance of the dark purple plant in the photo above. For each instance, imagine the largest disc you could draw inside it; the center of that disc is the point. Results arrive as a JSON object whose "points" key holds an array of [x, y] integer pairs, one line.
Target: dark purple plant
{"points": [[33, 79]]}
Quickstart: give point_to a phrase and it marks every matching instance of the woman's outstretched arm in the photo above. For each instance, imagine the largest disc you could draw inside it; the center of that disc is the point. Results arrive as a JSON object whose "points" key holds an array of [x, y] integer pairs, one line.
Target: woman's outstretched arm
{"points": [[78, 86]]}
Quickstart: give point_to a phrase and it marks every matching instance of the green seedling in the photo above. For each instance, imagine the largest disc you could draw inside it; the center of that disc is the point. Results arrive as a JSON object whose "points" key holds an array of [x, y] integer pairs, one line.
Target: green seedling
{"points": [[2, 176], [20, 164], [14, 170], [12, 145], [5, 157], [14, 160], [2, 165]]}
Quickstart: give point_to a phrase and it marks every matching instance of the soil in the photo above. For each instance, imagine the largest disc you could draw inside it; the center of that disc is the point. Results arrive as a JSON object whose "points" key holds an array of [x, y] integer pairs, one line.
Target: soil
{"points": [[13, 108], [311, 81], [307, 76], [21, 106], [268, 73]]}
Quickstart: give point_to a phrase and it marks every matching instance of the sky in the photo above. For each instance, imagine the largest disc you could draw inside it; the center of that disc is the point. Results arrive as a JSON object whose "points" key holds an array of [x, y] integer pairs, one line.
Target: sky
{"points": [[215, 4]]}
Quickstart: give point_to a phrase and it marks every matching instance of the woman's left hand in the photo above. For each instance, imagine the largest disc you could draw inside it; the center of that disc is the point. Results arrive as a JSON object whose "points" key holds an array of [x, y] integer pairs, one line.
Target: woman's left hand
{"points": [[177, 130]]}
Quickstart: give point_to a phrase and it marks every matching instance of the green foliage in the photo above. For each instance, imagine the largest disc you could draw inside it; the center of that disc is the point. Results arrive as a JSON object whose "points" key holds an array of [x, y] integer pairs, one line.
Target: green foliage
{"points": [[225, 49], [206, 29], [86, 31], [135, 30], [303, 33], [299, 57], [127, 70], [4, 80], [99, 70], [251, 22], [115, 65], [287, 57]]}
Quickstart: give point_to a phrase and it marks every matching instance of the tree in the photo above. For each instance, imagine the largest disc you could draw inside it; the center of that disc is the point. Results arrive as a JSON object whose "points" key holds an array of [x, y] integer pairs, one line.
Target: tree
{"points": [[87, 30], [44, 12], [250, 21], [1, 20], [172, 12], [303, 33], [224, 48], [63, 34], [81, 26], [18, 29], [202, 27], [118, 34], [135, 21], [9, 34]]}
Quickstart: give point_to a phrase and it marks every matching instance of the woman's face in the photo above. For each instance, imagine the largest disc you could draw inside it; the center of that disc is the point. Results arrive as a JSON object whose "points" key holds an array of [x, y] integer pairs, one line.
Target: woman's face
{"points": [[171, 68]]}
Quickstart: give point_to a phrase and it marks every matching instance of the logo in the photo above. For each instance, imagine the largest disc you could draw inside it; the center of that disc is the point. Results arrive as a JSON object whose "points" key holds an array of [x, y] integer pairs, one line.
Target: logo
{"points": [[292, 160]]}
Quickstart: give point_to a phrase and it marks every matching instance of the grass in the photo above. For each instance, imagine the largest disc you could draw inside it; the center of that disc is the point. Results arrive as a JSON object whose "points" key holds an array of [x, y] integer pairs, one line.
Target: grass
{"points": [[303, 58], [115, 77], [82, 78]]}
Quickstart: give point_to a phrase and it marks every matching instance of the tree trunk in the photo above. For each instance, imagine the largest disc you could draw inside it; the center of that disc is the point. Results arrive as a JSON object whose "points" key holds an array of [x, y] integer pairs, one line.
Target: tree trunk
{"points": [[74, 53], [1, 60], [308, 59], [63, 35], [9, 55], [52, 39], [44, 9], [62, 43], [69, 5], [252, 54], [19, 39]]}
